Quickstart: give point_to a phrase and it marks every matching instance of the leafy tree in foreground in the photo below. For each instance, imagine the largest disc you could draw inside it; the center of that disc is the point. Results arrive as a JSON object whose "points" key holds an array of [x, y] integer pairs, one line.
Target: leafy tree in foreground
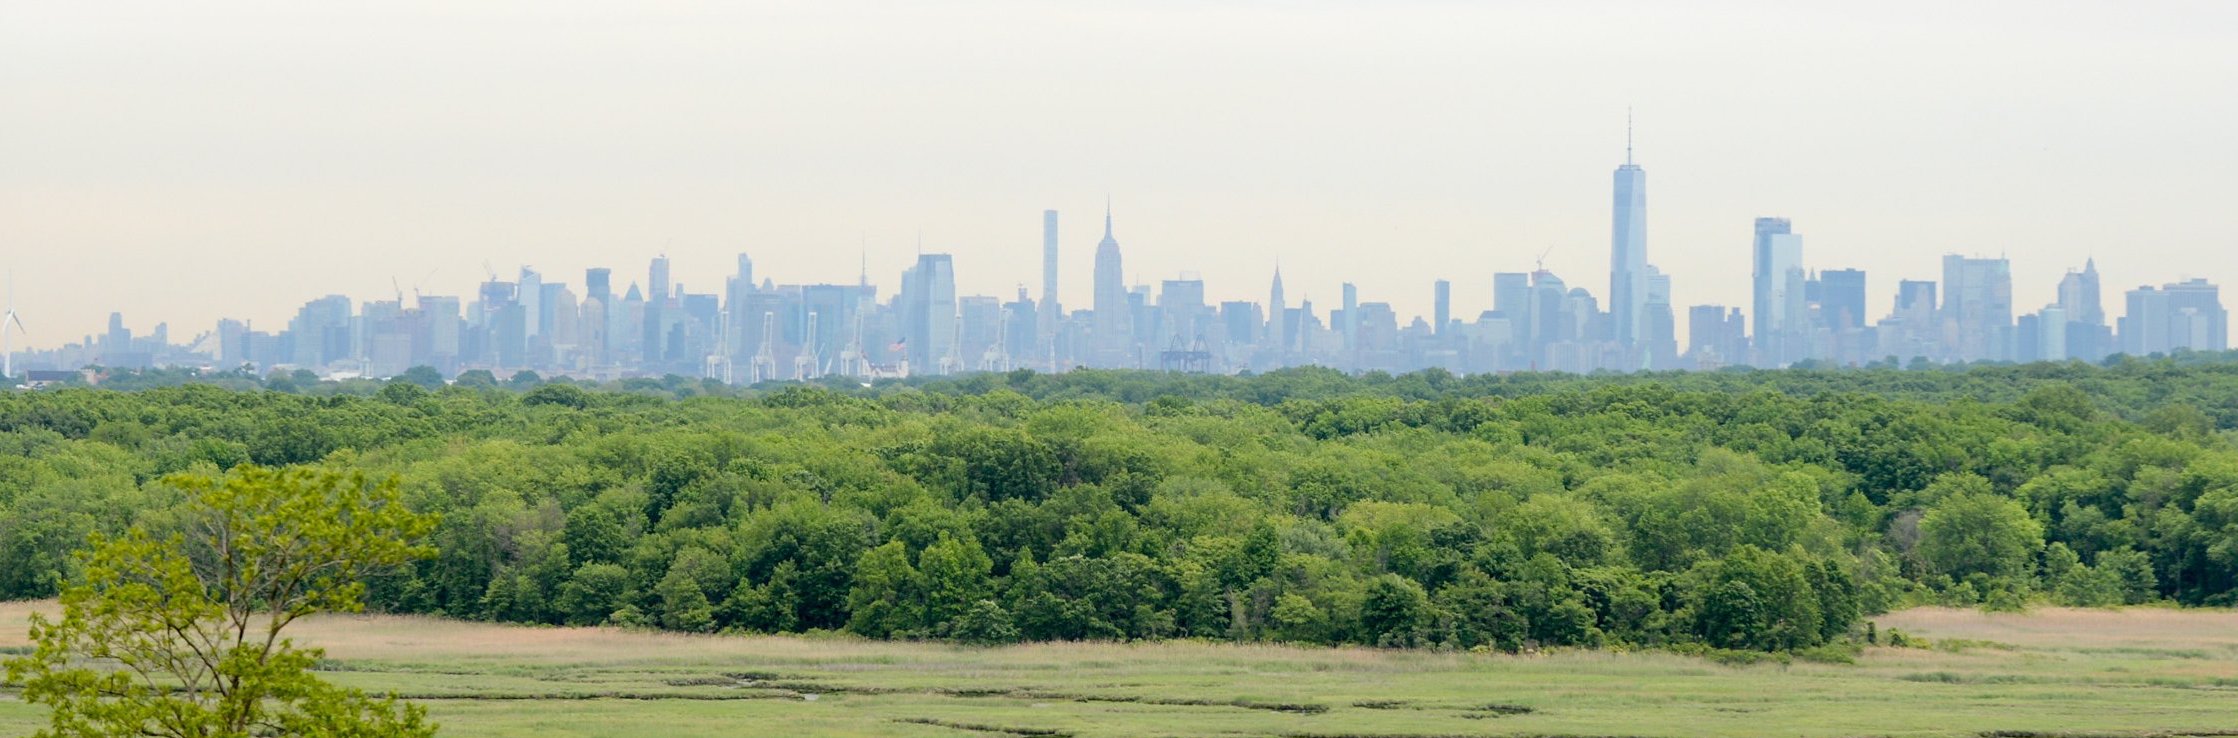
{"points": [[181, 635]]}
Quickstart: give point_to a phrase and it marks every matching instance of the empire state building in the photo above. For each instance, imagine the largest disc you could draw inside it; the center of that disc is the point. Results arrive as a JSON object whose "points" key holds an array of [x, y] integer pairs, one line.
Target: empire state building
{"points": [[1112, 323]]}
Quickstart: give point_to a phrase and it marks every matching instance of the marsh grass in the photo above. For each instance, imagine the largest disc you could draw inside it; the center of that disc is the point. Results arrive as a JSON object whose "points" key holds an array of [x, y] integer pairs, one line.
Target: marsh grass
{"points": [[2050, 672]]}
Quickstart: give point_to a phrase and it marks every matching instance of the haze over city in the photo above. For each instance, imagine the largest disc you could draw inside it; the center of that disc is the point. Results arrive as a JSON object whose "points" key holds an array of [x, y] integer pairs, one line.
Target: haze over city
{"points": [[845, 368], [235, 160]]}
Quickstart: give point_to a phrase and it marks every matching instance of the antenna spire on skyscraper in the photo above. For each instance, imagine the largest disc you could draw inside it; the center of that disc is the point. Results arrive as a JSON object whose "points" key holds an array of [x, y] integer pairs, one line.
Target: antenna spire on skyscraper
{"points": [[1627, 134], [1107, 216]]}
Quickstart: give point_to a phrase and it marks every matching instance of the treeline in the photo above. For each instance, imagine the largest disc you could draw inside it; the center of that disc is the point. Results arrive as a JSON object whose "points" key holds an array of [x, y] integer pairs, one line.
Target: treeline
{"points": [[1753, 510]]}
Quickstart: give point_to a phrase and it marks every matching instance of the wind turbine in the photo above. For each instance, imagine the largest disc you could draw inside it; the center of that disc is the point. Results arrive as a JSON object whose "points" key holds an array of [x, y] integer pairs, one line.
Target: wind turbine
{"points": [[7, 320]]}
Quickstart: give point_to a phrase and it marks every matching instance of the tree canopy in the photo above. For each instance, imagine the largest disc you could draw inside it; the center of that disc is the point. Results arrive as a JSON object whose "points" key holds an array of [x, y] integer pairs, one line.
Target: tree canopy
{"points": [[177, 627], [1757, 510]]}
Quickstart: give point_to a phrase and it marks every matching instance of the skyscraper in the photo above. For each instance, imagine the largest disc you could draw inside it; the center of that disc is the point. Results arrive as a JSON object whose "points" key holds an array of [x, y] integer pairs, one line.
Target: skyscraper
{"points": [[1049, 257], [598, 317], [1628, 248], [2198, 319], [2084, 315], [928, 311], [1841, 298], [1778, 290], [598, 284], [2184, 315], [321, 328], [1351, 303], [1113, 324], [1046, 316], [657, 286], [1715, 335], [1657, 342], [532, 303], [738, 293], [1182, 312], [444, 324], [1977, 315], [2078, 295], [1278, 318], [1441, 305]]}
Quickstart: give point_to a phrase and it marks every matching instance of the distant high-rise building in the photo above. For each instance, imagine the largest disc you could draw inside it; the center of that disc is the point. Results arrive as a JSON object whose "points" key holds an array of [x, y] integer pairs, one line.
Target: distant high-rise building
{"points": [[1182, 312], [928, 312], [2198, 321], [1511, 298], [1911, 330], [118, 341], [532, 303], [2183, 315], [561, 334], [233, 347], [1351, 322], [445, 326], [1628, 249], [2051, 334], [1977, 314], [2078, 295], [1376, 336], [1113, 324], [595, 321], [1778, 291], [2041, 335], [2087, 336], [1441, 305], [1278, 318], [739, 290], [1050, 310], [1841, 298], [321, 330], [1546, 318], [1241, 323], [657, 286], [2144, 325], [598, 284], [978, 332], [1657, 345], [1715, 335], [1916, 300]]}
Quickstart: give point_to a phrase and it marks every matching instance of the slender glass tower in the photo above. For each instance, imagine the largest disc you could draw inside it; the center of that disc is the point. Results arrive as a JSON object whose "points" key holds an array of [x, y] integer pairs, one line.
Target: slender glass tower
{"points": [[1628, 248], [1048, 313]]}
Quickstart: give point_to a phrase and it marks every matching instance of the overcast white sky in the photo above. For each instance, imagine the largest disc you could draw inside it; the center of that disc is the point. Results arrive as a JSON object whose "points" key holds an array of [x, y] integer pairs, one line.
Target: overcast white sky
{"points": [[187, 161]]}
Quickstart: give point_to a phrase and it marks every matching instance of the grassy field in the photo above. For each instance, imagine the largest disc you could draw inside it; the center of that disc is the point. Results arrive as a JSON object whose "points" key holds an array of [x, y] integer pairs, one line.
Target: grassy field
{"points": [[2135, 671]]}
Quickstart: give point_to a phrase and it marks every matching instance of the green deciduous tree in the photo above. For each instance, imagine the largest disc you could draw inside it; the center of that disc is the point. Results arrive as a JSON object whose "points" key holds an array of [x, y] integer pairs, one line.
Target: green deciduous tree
{"points": [[182, 635], [1975, 533], [955, 576], [888, 598]]}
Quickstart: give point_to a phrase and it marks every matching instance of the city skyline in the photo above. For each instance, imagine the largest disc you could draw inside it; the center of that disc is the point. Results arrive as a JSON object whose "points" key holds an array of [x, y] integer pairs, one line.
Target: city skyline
{"points": [[1074, 274], [238, 160], [1879, 295], [1802, 313]]}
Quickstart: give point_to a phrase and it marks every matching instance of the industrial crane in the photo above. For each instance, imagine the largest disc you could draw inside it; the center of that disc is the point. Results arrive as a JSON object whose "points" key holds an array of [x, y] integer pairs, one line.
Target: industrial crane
{"points": [[852, 361], [995, 358], [806, 365], [952, 360], [765, 358], [9, 320]]}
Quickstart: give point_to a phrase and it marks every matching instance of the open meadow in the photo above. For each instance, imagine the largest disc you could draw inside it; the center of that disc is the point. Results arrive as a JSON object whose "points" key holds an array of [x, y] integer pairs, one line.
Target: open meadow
{"points": [[2143, 670]]}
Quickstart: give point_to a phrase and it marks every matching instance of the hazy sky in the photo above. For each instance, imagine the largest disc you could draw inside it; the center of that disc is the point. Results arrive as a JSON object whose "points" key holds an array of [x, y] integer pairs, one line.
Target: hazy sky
{"points": [[187, 161]]}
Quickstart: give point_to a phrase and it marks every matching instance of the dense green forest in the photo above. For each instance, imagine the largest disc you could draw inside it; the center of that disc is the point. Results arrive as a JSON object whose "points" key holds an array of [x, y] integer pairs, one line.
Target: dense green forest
{"points": [[1731, 510]]}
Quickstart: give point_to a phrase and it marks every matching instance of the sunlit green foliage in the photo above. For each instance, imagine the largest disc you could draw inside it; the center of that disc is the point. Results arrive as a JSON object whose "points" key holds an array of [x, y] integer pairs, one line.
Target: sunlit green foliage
{"points": [[180, 633], [1751, 510]]}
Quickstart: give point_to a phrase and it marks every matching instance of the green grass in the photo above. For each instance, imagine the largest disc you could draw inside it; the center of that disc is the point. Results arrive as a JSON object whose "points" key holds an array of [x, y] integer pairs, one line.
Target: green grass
{"points": [[2052, 672]]}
